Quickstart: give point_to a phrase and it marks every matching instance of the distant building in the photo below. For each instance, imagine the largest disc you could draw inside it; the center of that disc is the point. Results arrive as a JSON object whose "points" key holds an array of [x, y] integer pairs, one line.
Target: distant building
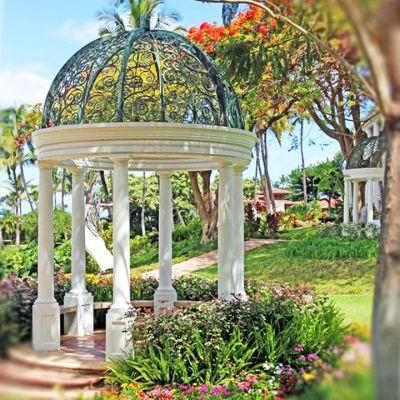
{"points": [[281, 203]]}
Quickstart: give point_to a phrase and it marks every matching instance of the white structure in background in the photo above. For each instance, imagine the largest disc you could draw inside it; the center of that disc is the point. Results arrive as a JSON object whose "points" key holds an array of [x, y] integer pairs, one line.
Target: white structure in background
{"points": [[365, 169], [136, 101]]}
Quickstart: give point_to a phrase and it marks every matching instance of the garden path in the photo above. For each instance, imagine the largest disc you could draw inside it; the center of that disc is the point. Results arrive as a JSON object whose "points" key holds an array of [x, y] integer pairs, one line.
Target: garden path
{"points": [[206, 260]]}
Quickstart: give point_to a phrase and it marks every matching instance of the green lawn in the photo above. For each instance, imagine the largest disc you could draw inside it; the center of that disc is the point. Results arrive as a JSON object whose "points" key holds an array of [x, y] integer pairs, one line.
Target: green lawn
{"points": [[348, 282]]}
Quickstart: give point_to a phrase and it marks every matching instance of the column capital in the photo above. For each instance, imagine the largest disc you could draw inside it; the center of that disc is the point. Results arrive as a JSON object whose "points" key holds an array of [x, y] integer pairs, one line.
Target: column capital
{"points": [[120, 160], [224, 164], [46, 164], [76, 171], [164, 174]]}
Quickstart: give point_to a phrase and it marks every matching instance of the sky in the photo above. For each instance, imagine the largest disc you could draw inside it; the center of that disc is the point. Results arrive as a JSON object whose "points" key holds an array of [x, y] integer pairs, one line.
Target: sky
{"points": [[38, 37]]}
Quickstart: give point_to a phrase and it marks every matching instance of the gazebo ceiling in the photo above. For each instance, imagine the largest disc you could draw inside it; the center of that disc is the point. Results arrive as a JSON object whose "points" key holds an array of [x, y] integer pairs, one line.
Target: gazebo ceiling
{"points": [[368, 153], [141, 76]]}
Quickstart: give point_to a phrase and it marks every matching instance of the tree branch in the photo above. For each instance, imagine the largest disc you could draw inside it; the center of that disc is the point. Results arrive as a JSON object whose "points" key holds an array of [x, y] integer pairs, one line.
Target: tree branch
{"points": [[278, 15]]}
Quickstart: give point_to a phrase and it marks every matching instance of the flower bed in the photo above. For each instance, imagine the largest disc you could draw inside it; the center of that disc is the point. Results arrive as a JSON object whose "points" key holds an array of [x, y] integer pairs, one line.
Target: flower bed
{"points": [[265, 348]]}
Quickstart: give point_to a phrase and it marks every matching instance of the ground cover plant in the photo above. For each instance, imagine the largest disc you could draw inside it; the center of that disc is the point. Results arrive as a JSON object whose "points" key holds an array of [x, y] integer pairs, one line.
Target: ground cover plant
{"points": [[264, 348]]}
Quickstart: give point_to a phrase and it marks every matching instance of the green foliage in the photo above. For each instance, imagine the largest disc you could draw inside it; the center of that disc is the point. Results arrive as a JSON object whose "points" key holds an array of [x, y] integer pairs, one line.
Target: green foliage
{"points": [[61, 226], [274, 264], [305, 212], [217, 341], [21, 260], [333, 248], [191, 231], [323, 179], [10, 332]]}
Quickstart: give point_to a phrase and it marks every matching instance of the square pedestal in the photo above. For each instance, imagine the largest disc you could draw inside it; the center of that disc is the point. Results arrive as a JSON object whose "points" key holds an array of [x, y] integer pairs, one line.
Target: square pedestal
{"points": [[79, 323], [164, 299], [46, 326], [117, 333]]}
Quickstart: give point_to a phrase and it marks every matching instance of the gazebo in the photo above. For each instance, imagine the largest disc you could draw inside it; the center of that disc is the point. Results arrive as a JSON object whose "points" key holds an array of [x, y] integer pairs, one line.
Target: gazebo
{"points": [[136, 101], [364, 173]]}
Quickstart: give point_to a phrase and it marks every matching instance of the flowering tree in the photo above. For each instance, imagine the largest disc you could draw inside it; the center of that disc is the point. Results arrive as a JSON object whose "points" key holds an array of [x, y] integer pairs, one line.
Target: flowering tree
{"points": [[281, 75], [377, 25]]}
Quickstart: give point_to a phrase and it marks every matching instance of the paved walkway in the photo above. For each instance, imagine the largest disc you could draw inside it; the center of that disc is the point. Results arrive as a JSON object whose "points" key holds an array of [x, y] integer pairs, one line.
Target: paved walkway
{"points": [[206, 260]]}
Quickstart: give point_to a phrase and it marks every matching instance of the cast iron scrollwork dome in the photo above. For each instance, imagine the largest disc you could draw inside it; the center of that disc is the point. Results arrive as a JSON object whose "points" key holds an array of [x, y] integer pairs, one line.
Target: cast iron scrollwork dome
{"points": [[141, 76], [368, 153]]}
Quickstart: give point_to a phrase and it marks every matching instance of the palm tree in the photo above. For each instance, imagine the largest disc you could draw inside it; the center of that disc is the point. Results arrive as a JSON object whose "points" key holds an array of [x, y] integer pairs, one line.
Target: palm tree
{"points": [[16, 149], [139, 14]]}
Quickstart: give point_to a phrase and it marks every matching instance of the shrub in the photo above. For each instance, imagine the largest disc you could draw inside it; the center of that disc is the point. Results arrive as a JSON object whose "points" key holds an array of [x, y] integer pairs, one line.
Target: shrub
{"points": [[217, 342], [331, 248], [191, 231], [20, 260], [305, 212]]}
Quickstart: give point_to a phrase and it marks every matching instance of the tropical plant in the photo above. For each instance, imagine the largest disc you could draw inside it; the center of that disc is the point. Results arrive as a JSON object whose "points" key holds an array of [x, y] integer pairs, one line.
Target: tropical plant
{"points": [[126, 15]]}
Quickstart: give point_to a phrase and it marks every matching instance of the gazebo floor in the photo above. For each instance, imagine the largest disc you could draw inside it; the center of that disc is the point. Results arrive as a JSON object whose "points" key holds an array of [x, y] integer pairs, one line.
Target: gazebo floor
{"points": [[77, 369]]}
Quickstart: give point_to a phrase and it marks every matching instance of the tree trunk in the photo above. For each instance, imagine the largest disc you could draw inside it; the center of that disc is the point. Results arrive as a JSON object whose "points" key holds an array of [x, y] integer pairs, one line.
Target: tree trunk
{"points": [[17, 225], [26, 186], [106, 193], [264, 152], [264, 185], [63, 189], [1, 238], [303, 163], [142, 213], [207, 204], [386, 321]]}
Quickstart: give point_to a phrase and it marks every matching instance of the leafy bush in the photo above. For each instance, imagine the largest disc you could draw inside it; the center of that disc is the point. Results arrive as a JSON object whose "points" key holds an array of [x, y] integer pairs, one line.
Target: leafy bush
{"points": [[61, 226], [331, 248], [10, 332], [305, 212], [217, 341], [21, 260], [191, 231]]}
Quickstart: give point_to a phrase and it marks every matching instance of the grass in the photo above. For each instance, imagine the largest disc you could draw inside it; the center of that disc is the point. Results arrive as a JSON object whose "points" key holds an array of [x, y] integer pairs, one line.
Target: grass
{"points": [[182, 251], [349, 282]]}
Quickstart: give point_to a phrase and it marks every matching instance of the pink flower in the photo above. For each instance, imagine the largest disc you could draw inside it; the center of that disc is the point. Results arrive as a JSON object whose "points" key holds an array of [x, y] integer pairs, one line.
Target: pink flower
{"points": [[312, 357], [299, 348], [203, 388], [302, 358]]}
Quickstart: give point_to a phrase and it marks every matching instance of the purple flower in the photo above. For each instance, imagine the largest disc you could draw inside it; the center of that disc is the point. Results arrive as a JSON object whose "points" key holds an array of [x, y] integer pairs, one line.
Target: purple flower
{"points": [[203, 388], [312, 357], [299, 348], [302, 358], [220, 390]]}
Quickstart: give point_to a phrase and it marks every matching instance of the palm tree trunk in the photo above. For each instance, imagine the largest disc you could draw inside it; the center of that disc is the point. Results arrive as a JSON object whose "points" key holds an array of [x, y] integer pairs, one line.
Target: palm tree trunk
{"points": [[63, 188], [106, 193], [303, 163], [142, 213], [26, 186], [264, 152]]}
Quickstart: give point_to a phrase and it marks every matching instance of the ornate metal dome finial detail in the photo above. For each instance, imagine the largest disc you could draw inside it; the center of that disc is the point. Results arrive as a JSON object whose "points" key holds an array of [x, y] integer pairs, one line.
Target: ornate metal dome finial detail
{"points": [[141, 76]]}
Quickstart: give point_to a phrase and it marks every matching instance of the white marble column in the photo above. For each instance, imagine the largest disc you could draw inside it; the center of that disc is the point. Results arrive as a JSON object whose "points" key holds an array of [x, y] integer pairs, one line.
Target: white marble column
{"points": [[225, 233], [237, 270], [355, 203], [369, 194], [117, 322], [46, 311], [165, 295], [81, 322], [346, 202]]}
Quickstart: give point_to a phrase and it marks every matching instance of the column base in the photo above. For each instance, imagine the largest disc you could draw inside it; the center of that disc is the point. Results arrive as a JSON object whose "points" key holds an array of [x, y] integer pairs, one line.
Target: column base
{"points": [[164, 299], [81, 322], [46, 326], [117, 333]]}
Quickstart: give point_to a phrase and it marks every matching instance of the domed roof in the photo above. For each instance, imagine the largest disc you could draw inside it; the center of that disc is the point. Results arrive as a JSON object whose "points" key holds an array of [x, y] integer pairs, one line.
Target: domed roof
{"points": [[368, 153], [141, 76]]}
